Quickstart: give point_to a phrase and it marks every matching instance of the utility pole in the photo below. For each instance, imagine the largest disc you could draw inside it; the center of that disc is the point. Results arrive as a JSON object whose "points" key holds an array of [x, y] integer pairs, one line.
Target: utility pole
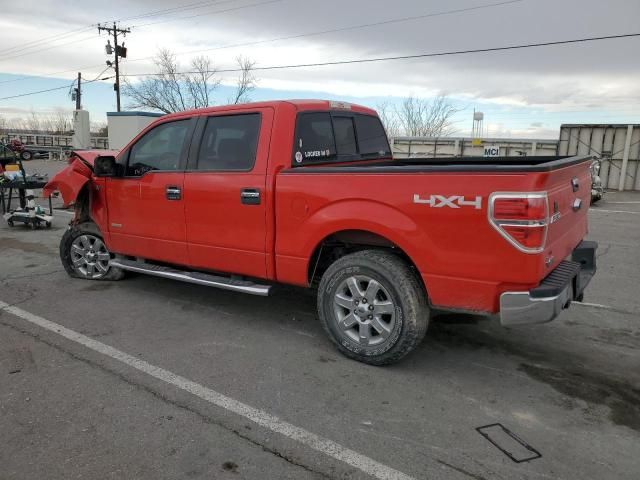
{"points": [[81, 125], [79, 92], [118, 51]]}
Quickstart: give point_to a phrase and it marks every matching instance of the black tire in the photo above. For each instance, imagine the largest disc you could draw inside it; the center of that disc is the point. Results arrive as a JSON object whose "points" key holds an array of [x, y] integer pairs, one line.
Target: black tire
{"points": [[26, 155], [407, 296], [70, 235]]}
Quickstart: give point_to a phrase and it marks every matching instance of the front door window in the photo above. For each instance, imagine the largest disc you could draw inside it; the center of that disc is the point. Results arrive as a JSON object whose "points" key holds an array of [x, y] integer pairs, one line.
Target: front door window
{"points": [[159, 149]]}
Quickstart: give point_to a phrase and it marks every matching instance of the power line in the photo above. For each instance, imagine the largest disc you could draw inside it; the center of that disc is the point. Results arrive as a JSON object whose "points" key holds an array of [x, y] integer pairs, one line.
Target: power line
{"points": [[411, 57], [39, 91], [99, 75], [293, 37], [341, 29], [48, 74], [67, 86], [19, 50], [24, 54], [210, 13], [42, 40], [379, 59], [182, 8], [134, 26]]}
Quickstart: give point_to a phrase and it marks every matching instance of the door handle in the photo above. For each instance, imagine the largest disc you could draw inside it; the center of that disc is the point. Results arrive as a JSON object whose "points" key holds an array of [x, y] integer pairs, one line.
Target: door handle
{"points": [[575, 184], [173, 192], [577, 204], [250, 196]]}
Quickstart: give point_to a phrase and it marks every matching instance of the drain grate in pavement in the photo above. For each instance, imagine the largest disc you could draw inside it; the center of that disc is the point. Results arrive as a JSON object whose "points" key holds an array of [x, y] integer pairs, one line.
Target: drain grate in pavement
{"points": [[509, 443]]}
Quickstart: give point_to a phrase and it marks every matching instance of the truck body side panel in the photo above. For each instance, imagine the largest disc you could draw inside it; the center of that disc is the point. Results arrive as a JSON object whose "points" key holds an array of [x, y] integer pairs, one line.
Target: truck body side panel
{"points": [[224, 234]]}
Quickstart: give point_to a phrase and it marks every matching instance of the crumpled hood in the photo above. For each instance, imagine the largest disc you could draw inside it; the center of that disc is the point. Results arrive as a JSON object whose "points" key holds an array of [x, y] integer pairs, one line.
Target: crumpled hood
{"points": [[89, 156], [69, 182]]}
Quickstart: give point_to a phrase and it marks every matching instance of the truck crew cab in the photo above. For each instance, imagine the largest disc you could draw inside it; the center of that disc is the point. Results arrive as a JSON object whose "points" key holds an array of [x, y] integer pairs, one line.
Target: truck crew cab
{"points": [[307, 193]]}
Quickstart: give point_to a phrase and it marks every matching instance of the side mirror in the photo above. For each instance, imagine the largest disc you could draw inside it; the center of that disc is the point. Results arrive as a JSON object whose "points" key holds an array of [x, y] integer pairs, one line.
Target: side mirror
{"points": [[105, 166]]}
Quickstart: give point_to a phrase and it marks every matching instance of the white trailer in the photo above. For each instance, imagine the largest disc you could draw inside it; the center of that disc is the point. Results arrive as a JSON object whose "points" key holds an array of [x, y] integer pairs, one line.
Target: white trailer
{"points": [[446, 147]]}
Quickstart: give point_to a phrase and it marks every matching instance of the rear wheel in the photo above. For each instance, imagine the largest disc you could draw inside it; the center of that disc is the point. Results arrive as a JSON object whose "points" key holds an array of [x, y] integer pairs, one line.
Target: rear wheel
{"points": [[26, 155], [84, 254], [373, 307]]}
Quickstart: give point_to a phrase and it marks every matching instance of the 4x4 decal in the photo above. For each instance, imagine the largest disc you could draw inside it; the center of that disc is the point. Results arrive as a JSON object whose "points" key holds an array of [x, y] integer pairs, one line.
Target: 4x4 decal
{"points": [[454, 201]]}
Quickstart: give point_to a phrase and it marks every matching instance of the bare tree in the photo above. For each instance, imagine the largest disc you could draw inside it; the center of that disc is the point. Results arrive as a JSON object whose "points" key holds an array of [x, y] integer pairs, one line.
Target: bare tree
{"points": [[172, 90], [59, 123], [33, 122], [202, 82], [99, 129], [15, 124], [426, 118], [247, 81], [389, 119]]}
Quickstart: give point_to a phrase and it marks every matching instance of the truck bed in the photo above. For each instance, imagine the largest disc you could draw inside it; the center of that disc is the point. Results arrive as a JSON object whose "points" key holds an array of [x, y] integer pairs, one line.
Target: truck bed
{"points": [[453, 164]]}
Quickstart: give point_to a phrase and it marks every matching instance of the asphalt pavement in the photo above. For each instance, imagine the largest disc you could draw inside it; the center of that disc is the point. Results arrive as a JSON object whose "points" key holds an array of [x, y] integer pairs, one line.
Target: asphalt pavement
{"points": [[148, 378]]}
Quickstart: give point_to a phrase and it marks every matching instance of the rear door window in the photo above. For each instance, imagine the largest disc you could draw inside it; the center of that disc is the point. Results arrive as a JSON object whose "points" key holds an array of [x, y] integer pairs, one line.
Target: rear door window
{"points": [[323, 137], [372, 138], [314, 138], [345, 136], [229, 142]]}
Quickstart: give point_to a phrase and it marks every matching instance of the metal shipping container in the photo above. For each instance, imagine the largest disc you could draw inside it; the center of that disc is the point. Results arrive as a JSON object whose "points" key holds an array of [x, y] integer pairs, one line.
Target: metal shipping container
{"points": [[617, 145]]}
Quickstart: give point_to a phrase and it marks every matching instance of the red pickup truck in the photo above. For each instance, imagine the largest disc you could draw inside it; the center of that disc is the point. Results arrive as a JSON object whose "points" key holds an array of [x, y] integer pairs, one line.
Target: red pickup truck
{"points": [[307, 193]]}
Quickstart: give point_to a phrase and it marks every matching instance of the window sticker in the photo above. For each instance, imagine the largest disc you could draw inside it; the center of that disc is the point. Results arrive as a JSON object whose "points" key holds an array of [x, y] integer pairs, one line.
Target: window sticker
{"points": [[318, 153], [299, 157]]}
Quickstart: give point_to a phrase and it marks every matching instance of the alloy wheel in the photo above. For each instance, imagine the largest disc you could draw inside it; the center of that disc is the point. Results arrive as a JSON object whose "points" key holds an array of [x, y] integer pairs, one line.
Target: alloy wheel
{"points": [[365, 312], [90, 257]]}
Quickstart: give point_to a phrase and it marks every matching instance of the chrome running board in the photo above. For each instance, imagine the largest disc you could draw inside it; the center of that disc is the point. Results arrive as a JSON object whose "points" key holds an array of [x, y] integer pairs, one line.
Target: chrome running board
{"points": [[198, 278]]}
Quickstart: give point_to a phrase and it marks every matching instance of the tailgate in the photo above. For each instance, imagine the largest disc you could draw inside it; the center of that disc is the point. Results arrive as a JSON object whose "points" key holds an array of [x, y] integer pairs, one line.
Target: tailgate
{"points": [[569, 194]]}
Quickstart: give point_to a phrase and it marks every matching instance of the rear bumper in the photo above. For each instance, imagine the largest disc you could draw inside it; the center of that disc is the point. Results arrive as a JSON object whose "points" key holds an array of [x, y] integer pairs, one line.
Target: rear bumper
{"points": [[555, 293]]}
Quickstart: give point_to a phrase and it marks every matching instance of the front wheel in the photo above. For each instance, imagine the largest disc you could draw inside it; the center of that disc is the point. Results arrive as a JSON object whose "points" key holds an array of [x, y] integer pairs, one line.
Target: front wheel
{"points": [[26, 155], [373, 307], [84, 254]]}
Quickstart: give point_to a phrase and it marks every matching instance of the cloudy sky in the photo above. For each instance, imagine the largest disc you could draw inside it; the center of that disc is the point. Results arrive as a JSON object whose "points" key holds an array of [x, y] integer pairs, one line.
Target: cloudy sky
{"points": [[526, 92]]}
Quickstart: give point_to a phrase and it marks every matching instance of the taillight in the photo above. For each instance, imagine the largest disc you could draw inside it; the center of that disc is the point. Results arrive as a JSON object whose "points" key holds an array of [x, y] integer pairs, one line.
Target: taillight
{"points": [[521, 218]]}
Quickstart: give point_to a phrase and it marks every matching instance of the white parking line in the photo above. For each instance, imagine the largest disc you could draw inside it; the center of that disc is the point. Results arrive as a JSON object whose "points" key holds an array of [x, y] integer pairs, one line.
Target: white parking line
{"points": [[624, 203], [262, 418], [612, 211]]}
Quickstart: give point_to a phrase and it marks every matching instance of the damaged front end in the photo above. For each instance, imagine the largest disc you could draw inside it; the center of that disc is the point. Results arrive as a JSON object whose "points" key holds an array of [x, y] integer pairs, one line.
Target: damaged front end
{"points": [[70, 181], [78, 187]]}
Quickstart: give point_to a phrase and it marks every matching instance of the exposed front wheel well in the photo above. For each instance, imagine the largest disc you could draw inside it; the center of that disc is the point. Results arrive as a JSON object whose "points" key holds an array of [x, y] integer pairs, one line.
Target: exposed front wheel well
{"points": [[82, 206], [345, 242]]}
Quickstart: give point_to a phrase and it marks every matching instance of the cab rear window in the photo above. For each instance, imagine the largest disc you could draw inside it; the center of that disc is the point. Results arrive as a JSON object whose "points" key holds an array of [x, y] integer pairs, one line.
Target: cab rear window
{"points": [[323, 137]]}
